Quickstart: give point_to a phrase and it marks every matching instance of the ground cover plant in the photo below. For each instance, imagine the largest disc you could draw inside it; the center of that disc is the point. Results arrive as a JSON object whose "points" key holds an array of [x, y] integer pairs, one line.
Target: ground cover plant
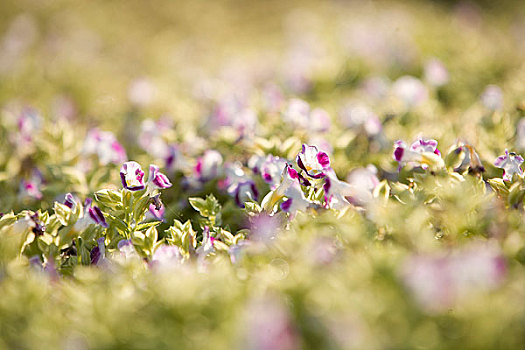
{"points": [[262, 175]]}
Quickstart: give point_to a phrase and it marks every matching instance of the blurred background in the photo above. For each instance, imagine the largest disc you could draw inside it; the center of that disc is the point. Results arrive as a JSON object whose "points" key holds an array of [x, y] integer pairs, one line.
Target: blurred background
{"points": [[92, 58]]}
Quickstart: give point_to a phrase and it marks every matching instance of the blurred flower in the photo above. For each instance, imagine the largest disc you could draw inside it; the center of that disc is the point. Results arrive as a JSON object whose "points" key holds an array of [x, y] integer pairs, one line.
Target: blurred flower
{"points": [[208, 166], [336, 191], [510, 163], [355, 116], [269, 326], [206, 246], [410, 90], [312, 161], [492, 98], [438, 280], [150, 138], [98, 253], [271, 170], [363, 181], [70, 201], [436, 74], [141, 92], [166, 257], [299, 115], [29, 188], [265, 227], [91, 215], [174, 160], [245, 191], [105, 146], [376, 87], [132, 176], [126, 249]]}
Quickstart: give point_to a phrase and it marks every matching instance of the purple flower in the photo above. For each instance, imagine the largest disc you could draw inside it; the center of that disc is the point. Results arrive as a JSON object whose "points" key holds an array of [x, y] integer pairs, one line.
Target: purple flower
{"points": [[126, 248], [156, 179], [510, 163], [312, 161], [166, 257], [336, 191], [154, 213], [421, 153], [98, 253], [90, 215], [96, 215], [245, 191], [104, 145], [421, 145], [70, 201], [29, 188], [208, 166], [132, 176], [271, 170]]}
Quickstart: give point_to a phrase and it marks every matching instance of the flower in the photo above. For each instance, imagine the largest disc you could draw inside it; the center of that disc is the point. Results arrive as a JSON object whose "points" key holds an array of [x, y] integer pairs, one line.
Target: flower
{"points": [[156, 179], [271, 170], [207, 167], [98, 253], [166, 257], [422, 153], [363, 182], [510, 163], [336, 191], [90, 215], [132, 176], [29, 188], [359, 116], [312, 161], [421, 145], [207, 244], [155, 214], [245, 191], [70, 201], [126, 248], [105, 146]]}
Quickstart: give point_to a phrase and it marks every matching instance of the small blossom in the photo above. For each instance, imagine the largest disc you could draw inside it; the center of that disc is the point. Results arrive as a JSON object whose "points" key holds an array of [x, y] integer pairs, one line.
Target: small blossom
{"points": [[105, 146], [272, 169], [207, 244], [208, 166], [132, 176], [510, 163], [245, 191], [29, 188], [70, 201], [336, 191], [126, 248], [363, 182], [297, 113], [155, 214], [421, 153], [98, 253], [91, 215], [156, 179], [312, 161], [166, 257]]}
